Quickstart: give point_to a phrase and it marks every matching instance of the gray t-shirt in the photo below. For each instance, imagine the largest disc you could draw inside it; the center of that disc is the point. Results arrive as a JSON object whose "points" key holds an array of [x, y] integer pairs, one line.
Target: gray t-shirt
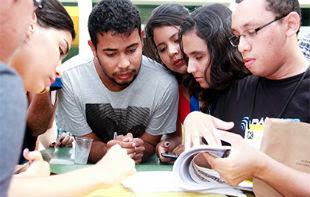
{"points": [[12, 122], [148, 104]]}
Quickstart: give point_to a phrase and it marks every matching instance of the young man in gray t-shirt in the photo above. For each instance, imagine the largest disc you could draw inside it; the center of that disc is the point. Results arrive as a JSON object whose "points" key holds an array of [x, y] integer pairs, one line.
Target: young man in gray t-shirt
{"points": [[118, 91]]}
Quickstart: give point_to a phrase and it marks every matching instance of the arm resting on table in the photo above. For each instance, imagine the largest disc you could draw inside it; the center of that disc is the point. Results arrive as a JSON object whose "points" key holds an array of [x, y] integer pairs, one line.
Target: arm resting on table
{"points": [[150, 142], [112, 168]]}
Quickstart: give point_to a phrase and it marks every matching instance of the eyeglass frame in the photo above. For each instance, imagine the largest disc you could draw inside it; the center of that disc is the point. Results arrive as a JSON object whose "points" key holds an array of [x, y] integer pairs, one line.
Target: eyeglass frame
{"points": [[38, 4], [231, 38]]}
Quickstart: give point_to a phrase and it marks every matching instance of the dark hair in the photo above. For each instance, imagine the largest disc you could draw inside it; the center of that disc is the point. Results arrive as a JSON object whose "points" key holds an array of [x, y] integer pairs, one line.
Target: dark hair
{"points": [[163, 15], [281, 7], [212, 24], [117, 16], [53, 14]]}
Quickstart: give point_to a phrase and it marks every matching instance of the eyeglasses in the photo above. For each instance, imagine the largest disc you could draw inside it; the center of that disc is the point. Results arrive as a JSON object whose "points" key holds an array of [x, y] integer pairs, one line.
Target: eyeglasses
{"points": [[38, 3], [235, 40]]}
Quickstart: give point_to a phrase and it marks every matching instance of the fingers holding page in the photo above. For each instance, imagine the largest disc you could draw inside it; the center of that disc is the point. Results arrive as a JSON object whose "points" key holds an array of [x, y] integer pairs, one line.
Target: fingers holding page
{"points": [[198, 125]]}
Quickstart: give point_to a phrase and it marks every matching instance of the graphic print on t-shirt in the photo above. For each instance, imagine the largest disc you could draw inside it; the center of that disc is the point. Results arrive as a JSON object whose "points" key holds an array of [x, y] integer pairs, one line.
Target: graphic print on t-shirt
{"points": [[254, 129], [104, 120]]}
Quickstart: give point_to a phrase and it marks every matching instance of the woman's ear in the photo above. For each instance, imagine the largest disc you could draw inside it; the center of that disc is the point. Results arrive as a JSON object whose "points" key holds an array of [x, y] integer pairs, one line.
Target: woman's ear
{"points": [[34, 17], [142, 36], [31, 27]]}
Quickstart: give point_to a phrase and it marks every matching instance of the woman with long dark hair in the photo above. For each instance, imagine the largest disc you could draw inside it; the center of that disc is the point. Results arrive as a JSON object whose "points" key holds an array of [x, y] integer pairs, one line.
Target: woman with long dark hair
{"points": [[212, 61]]}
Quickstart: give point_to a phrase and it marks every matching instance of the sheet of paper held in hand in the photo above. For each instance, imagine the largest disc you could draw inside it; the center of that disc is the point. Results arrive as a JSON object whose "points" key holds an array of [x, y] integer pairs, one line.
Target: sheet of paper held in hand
{"points": [[187, 175]]}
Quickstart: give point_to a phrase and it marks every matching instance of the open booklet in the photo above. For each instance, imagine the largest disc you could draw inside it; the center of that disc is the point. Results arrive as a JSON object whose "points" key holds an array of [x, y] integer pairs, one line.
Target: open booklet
{"points": [[195, 174]]}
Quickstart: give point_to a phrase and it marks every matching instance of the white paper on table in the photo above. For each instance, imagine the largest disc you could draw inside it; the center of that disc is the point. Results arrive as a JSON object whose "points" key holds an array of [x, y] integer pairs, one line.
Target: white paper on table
{"points": [[164, 181], [152, 181]]}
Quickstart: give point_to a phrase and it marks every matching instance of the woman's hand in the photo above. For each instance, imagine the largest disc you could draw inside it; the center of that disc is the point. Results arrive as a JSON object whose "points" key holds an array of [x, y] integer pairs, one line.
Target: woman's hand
{"points": [[35, 166]]}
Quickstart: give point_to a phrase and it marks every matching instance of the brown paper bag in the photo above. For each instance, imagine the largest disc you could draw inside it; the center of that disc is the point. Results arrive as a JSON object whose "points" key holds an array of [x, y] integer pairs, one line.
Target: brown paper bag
{"points": [[287, 142]]}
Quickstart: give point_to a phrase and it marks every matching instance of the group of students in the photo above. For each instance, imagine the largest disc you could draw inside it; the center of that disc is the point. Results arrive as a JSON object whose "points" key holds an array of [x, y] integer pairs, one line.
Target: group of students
{"points": [[277, 87], [122, 91], [206, 59]]}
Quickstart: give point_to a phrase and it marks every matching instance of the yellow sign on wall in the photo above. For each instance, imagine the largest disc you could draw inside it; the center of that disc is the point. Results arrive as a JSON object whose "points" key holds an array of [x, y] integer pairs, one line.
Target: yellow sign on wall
{"points": [[74, 13]]}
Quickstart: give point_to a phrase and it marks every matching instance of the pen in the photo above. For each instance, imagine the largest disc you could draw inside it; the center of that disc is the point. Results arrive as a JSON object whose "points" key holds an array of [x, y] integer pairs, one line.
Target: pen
{"points": [[114, 135]]}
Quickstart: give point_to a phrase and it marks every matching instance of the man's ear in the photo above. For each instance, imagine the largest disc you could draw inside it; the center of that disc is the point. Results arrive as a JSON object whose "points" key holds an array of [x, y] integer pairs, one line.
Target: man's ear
{"points": [[142, 34], [292, 23], [92, 47]]}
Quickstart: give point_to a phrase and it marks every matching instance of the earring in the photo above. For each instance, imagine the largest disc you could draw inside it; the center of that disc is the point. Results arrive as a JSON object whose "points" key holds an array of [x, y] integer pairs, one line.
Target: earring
{"points": [[31, 27], [30, 30]]}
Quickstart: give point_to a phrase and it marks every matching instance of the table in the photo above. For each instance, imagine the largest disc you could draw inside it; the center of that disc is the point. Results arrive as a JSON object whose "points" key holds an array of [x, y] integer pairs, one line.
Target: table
{"points": [[64, 156], [66, 163]]}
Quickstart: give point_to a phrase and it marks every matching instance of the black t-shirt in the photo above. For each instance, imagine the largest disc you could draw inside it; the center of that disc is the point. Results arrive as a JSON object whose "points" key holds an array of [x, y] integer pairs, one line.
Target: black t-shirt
{"points": [[270, 98]]}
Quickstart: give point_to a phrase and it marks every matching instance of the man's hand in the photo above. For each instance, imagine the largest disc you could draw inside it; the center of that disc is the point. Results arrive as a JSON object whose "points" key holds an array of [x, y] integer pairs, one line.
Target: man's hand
{"points": [[125, 142], [116, 165], [243, 162], [198, 125], [139, 150], [134, 146]]}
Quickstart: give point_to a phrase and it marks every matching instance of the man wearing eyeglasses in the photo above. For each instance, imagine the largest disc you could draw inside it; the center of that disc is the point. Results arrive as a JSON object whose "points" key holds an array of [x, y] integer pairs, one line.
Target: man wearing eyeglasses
{"points": [[265, 33], [15, 17], [279, 87]]}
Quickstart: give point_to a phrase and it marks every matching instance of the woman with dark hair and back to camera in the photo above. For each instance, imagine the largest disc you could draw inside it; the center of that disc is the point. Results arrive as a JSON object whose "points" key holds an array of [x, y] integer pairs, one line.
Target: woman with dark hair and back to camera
{"points": [[53, 17], [48, 42]]}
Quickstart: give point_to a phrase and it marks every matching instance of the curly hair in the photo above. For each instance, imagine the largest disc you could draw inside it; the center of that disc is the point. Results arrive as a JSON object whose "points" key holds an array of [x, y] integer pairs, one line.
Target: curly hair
{"points": [[212, 24], [117, 16], [53, 14]]}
